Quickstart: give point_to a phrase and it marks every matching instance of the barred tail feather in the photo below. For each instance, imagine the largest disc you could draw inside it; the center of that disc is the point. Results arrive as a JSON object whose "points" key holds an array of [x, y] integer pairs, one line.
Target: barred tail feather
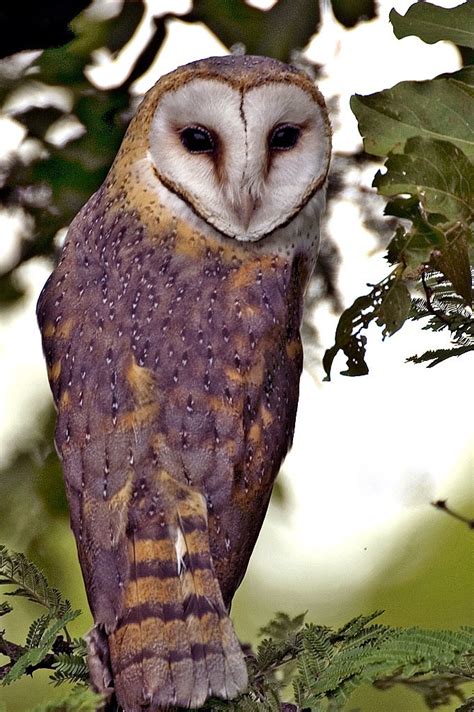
{"points": [[174, 645]]}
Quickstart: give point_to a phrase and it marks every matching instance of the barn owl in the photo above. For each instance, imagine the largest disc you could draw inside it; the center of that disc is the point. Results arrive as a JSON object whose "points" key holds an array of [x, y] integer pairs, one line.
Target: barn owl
{"points": [[170, 329]]}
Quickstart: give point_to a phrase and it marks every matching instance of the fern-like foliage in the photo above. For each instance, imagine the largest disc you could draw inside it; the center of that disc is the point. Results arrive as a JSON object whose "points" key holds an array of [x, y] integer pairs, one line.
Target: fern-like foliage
{"points": [[321, 665], [80, 699], [44, 641], [443, 309], [71, 666], [5, 608], [328, 665], [31, 583]]}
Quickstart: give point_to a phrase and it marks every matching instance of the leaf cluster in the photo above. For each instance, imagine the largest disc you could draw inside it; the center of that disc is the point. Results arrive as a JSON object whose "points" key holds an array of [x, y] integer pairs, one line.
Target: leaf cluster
{"points": [[322, 666], [426, 132], [326, 666], [48, 643]]}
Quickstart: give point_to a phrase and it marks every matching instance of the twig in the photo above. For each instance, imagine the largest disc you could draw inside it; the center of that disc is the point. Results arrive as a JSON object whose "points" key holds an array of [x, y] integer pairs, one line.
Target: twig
{"points": [[15, 651], [443, 506]]}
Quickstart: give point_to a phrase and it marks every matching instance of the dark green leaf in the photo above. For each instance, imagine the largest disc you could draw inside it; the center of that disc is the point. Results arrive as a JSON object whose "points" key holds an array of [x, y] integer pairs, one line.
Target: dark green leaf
{"points": [[414, 247], [10, 292], [350, 12], [436, 172], [5, 608], [37, 630], [288, 25], [120, 29], [432, 23], [437, 356], [394, 309], [79, 699], [17, 570], [34, 655], [438, 109], [388, 304], [465, 74], [453, 262]]}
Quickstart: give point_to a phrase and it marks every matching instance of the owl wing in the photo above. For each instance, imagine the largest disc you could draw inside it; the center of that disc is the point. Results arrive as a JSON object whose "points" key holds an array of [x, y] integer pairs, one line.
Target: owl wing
{"points": [[142, 535]]}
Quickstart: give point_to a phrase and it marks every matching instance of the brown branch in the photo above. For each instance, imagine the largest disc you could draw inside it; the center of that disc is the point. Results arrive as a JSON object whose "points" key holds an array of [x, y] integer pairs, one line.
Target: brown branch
{"points": [[15, 651], [442, 504]]}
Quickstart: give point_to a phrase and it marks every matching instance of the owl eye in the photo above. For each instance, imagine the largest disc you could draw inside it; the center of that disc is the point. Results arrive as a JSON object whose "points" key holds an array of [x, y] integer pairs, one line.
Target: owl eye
{"points": [[197, 139], [284, 137]]}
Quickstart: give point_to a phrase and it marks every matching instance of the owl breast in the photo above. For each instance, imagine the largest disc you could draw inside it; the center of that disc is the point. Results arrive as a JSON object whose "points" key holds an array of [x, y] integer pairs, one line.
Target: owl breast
{"points": [[192, 347]]}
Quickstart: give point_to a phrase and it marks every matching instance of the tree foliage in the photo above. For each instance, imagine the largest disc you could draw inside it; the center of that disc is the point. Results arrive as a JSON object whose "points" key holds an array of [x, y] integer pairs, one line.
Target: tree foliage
{"points": [[426, 132], [323, 666]]}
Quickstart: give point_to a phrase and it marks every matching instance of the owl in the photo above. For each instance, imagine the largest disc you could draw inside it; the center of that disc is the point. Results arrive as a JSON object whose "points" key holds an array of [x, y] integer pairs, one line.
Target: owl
{"points": [[171, 332]]}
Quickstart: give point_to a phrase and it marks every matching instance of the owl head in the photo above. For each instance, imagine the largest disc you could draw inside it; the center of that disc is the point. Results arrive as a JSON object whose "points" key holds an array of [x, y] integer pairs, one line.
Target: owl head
{"points": [[244, 141]]}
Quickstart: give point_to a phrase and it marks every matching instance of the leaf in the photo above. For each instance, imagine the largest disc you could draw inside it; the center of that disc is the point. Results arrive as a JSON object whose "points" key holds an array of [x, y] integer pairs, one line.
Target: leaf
{"points": [[444, 309], [70, 668], [415, 246], [465, 74], [5, 608], [79, 699], [282, 625], [437, 356], [394, 308], [432, 23], [289, 24], [453, 262], [388, 303], [17, 570], [350, 12], [437, 109], [34, 655], [437, 172], [36, 631]]}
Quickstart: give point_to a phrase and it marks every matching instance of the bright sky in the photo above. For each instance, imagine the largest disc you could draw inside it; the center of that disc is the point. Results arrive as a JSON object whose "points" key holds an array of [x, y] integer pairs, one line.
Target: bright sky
{"points": [[368, 455]]}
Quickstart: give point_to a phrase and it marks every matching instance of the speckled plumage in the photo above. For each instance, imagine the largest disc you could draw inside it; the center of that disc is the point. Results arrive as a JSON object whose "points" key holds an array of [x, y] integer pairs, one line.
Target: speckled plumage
{"points": [[174, 357]]}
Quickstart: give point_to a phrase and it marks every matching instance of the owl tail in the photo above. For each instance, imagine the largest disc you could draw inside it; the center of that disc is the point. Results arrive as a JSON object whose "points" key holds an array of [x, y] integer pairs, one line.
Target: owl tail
{"points": [[174, 645]]}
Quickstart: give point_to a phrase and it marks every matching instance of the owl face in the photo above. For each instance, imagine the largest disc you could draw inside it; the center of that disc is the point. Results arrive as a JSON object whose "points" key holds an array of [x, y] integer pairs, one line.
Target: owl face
{"points": [[245, 149]]}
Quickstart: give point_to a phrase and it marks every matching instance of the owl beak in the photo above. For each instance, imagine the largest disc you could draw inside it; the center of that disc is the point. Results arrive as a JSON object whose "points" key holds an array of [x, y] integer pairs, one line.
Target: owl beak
{"points": [[245, 208]]}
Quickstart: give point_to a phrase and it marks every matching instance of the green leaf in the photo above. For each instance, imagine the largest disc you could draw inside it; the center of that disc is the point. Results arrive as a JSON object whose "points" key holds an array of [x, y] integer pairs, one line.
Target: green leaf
{"points": [[467, 706], [415, 246], [289, 24], [444, 309], [17, 570], [70, 668], [437, 172], [5, 608], [453, 262], [350, 12], [79, 699], [465, 74], [33, 656], [282, 626], [437, 109], [432, 23], [388, 303], [437, 356], [394, 308], [37, 630]]}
